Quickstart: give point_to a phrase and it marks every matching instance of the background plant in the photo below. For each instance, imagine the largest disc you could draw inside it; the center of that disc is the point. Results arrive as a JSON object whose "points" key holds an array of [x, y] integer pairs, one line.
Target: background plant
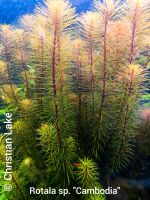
{"points": [[73, 84]]}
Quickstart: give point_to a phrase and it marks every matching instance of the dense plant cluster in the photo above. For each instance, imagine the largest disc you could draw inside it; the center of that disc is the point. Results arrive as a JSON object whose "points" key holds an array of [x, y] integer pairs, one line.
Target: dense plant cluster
{"points": [[73, 84]]}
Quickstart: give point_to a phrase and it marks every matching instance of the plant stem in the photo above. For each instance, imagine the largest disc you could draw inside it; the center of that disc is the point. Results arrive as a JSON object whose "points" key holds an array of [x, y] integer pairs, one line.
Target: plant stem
{"points": [[91, 72], [132, 46], [104, 67], [61, 73], [42, 74], [24, 69], [54, 83], [18, 188], [14, 180], [8, 68]]}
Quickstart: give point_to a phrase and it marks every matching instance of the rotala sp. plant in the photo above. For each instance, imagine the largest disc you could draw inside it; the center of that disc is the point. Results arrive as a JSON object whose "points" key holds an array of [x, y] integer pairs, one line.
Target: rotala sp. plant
{"points": [[73, 84], [6, 36]]}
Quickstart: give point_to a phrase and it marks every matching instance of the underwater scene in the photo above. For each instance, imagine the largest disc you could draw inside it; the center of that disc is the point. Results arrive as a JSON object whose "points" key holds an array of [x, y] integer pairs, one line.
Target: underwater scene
{"points": [[74, 99]]}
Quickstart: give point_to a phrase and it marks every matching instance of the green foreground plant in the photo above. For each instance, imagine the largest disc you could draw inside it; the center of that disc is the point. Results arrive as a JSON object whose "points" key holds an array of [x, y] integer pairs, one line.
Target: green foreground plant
{"points": [[73, 84]]}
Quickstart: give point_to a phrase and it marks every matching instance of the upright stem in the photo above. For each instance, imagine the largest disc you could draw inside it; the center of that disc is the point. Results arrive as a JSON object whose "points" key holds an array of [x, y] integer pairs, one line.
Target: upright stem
{"points": [[79, 74], [41, 73], [132, 46], [24, 69], [80, 95], [7, 59], [14, 180], [54, 83], [92, 73], [126, 119], [61, 72], [2, 78], [18, 188], [55, 40], [104, 66]]}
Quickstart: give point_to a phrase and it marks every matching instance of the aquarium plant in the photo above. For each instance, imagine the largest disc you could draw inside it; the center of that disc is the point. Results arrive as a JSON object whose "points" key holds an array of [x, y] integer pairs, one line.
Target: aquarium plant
{"points": [[73, 84]]}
